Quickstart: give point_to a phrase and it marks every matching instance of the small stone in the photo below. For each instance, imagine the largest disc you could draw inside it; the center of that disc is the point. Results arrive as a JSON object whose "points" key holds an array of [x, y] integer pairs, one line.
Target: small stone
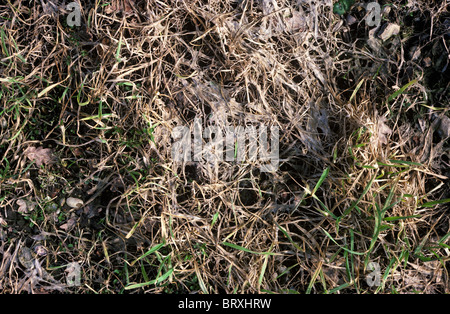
{"points": [[40, 250], [25, 257], [391, 29], [427, 62], [74, 202], [351, 19]]}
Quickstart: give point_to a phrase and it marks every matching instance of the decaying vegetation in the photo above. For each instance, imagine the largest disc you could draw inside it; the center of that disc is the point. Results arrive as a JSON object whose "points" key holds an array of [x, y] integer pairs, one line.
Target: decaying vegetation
{"points": [[87, 177]]}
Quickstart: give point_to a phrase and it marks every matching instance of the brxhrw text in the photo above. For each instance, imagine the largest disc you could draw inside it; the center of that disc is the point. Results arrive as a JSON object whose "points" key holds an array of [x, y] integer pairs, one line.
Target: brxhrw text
{"points": [[246, 303]]}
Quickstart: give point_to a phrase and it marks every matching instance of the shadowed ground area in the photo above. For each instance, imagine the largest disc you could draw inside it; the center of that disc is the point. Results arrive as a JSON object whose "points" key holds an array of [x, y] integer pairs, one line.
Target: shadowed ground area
{"points": [[93, 201]]}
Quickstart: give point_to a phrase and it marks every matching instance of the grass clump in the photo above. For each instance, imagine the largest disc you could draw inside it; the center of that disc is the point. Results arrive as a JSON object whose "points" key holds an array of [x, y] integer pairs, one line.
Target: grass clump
{"points": [[86, 112]]}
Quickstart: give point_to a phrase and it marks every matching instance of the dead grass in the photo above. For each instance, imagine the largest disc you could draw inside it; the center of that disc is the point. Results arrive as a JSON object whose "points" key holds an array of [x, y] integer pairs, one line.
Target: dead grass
{"points": [[359, 170]]}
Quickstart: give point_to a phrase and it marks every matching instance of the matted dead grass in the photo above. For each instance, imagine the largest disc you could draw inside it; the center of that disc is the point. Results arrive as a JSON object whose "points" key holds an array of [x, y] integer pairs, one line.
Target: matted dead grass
{"points": [[87, 113]]}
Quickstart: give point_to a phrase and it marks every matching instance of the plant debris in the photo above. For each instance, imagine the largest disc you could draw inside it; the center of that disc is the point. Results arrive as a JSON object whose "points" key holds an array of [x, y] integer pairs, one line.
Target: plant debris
{"points": [[74, 202], [92, 199], [41, 156]]}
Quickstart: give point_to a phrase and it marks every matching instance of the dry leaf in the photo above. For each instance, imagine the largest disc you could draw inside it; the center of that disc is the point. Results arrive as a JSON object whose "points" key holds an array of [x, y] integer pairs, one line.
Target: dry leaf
{"points": [[90, 211], [388, 31], [296, 23], [444, 127], [374, 42], [24, 206], [120, 5], [40, 236], [69, 224], [49, 7], [351, 19], [427, 62], [112, 7], [41, 156], [40, 250], [383, 131], [128, 6]]}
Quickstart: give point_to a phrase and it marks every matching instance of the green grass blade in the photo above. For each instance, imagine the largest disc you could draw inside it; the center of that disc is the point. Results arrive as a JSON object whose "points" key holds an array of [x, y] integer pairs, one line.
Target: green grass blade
{"points": [[434, 203], [263, 270], [313, 279], [343, 286], [405, 162], [152, 250], [289, 238], [3, 39], [366, 189], [119, 48], [356, 90], [144, 273], [322, 178], [151, 282], [241, 248], [388, 204], [401, 90], [444, 238], [391, 165], [377, 229], [342, 247], [395, 218], [215, 217], [326, 212]]}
